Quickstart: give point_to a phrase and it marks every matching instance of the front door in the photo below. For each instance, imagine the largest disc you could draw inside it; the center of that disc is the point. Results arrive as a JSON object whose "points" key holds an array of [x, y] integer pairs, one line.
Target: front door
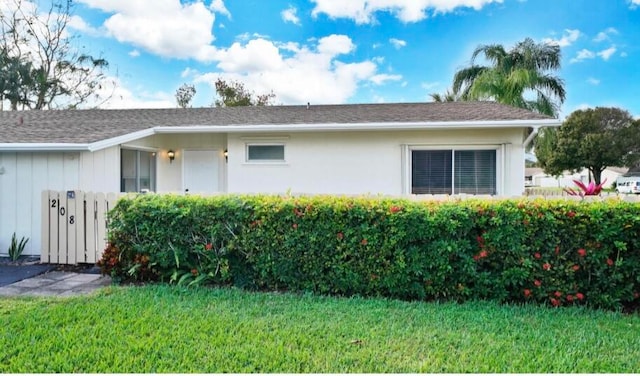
{"points": [[201, 171]]}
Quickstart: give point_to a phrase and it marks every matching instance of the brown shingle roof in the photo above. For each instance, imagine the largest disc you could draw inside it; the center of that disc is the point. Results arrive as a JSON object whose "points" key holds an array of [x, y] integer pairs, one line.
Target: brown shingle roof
{"points": [[87, 126]]}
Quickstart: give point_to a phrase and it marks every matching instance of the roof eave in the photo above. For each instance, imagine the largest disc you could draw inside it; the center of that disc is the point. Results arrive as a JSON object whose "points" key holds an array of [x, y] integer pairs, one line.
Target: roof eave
{"points": [[254, 128], [390, 126], [43, 147]]}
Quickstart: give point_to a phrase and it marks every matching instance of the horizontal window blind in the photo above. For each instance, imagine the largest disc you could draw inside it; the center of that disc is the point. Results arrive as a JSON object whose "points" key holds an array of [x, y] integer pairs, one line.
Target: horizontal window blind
{"points": [[431, 171], [453, 172], [475, 172]]}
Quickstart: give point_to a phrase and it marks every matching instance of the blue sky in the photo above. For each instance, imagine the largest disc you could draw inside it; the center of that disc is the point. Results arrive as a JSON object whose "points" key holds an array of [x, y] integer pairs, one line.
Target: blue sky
{"points": [[353, 51]]}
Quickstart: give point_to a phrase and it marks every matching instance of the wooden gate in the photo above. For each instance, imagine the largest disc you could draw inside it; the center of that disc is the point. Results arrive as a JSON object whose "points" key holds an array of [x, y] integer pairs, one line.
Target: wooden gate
{"points": [[74, 226]]}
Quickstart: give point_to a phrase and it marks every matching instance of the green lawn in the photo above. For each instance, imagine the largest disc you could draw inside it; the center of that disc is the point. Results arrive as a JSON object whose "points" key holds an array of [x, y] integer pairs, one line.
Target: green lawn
{"points": [[168, 329]]}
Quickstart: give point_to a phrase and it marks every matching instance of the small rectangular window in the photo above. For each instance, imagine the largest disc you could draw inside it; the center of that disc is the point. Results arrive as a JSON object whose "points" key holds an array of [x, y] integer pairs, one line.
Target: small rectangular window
{"points": [[265, 153]]}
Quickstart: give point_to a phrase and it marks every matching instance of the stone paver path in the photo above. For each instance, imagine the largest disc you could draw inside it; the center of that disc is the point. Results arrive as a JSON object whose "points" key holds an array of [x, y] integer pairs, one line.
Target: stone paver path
{"points": [[56, 284]]}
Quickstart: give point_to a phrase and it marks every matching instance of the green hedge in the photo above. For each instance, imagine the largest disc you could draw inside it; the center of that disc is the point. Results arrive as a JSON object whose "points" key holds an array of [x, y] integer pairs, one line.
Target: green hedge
{"points": [[555, 252]]}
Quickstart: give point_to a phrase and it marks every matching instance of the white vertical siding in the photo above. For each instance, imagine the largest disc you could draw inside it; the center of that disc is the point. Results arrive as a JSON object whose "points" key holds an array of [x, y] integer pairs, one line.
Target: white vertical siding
{"points": [[26, 175], [100, 170]]}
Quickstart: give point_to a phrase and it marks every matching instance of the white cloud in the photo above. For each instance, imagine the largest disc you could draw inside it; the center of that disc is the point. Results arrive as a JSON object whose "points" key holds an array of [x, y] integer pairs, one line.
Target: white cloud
{"points": [[168, 28], [297, 74], [593, 81], [362, 11], [218, 7], [258, 54], [606, 54], [188, 72], [582, 55], [397, 43], [605, 34], [568, 37], [76, 22], [289, 15], [134, 53], [245, 37], [335, 45], [121, 97], [635, 4], [380, 79], [585, 54]]}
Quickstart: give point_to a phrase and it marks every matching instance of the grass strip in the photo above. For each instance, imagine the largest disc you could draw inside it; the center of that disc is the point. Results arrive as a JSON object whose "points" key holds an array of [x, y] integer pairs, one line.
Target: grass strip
{"points": [[168, 329]]}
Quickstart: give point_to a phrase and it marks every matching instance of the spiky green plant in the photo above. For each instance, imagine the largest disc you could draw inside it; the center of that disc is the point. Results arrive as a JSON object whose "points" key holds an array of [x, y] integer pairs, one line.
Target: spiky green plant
{"points": [[16, 248]]}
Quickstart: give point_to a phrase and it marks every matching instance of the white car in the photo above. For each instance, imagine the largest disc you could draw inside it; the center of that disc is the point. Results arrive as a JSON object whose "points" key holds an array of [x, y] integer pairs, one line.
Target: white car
{"points": [[632, 186]]}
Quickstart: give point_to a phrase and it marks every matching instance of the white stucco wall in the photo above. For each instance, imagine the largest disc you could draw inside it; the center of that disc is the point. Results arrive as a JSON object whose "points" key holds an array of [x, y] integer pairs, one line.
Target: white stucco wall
{"points": [[100, 170], [361, 162]]}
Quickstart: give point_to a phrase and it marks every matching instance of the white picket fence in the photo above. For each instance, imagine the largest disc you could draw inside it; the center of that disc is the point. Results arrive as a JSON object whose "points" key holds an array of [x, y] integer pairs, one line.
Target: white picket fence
{"points": [[74, 226]]}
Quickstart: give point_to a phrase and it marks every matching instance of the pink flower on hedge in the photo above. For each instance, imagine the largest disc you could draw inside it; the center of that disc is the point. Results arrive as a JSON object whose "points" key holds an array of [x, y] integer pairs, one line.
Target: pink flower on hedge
{"points": [[555, 302], [579, 296], [571, 214], [576, 267], [340, 236], [394, 209], [537, 255], [481, 255], [569, 297], [609, 262], [208, 246], [546, 266], [537, 283], [295, 226], [557, 294], [582, 252], [527, 293], [364, 242]]}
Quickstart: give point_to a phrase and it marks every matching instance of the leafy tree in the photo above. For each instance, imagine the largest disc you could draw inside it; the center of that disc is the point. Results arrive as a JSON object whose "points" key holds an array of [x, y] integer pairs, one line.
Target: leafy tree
{"points": [[184, 95], [16, 80], [594, 139], [514, 76], [233, 93], [58, 74]]}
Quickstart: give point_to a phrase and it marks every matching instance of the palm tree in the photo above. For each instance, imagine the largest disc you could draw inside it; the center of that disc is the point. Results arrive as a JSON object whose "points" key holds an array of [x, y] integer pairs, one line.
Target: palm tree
{"points": [[448, 96], [519, 77]]}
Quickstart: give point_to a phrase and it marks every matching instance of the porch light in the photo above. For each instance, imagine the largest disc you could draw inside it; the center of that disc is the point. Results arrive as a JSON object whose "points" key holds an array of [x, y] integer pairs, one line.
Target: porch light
{"points": [[226, 155], [172, 155]]}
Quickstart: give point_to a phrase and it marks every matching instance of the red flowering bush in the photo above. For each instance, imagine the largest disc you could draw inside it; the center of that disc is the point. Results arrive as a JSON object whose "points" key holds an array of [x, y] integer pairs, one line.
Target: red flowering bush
{"points": [[558, 253]]}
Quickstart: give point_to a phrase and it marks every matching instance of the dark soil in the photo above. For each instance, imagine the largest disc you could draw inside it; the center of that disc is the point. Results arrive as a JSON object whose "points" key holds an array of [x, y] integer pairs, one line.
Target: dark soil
{"points": [[35, 260], [22, 260]]}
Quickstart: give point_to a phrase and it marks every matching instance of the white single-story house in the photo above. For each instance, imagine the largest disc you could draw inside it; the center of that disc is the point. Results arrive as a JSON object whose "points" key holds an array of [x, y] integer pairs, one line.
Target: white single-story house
{"points": [[536, 177], [391, 149]]}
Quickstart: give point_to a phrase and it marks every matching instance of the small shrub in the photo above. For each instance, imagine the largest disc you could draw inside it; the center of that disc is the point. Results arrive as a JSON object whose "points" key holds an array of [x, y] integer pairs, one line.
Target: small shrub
{"points": [[16, 248]]}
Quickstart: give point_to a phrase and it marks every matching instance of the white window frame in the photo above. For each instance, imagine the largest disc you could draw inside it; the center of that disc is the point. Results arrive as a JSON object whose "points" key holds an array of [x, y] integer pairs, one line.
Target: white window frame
{"points": [[265, 161], [154, 177], [407, 161]]}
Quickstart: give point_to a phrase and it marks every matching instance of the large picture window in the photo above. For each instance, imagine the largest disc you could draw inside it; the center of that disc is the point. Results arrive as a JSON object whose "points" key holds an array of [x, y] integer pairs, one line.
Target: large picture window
{"points": [[137, 170], [453, 172]]}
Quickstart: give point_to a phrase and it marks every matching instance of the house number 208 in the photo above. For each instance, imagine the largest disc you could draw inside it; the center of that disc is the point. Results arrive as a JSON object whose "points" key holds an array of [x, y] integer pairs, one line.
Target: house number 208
{"points": [[62, 211]]}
